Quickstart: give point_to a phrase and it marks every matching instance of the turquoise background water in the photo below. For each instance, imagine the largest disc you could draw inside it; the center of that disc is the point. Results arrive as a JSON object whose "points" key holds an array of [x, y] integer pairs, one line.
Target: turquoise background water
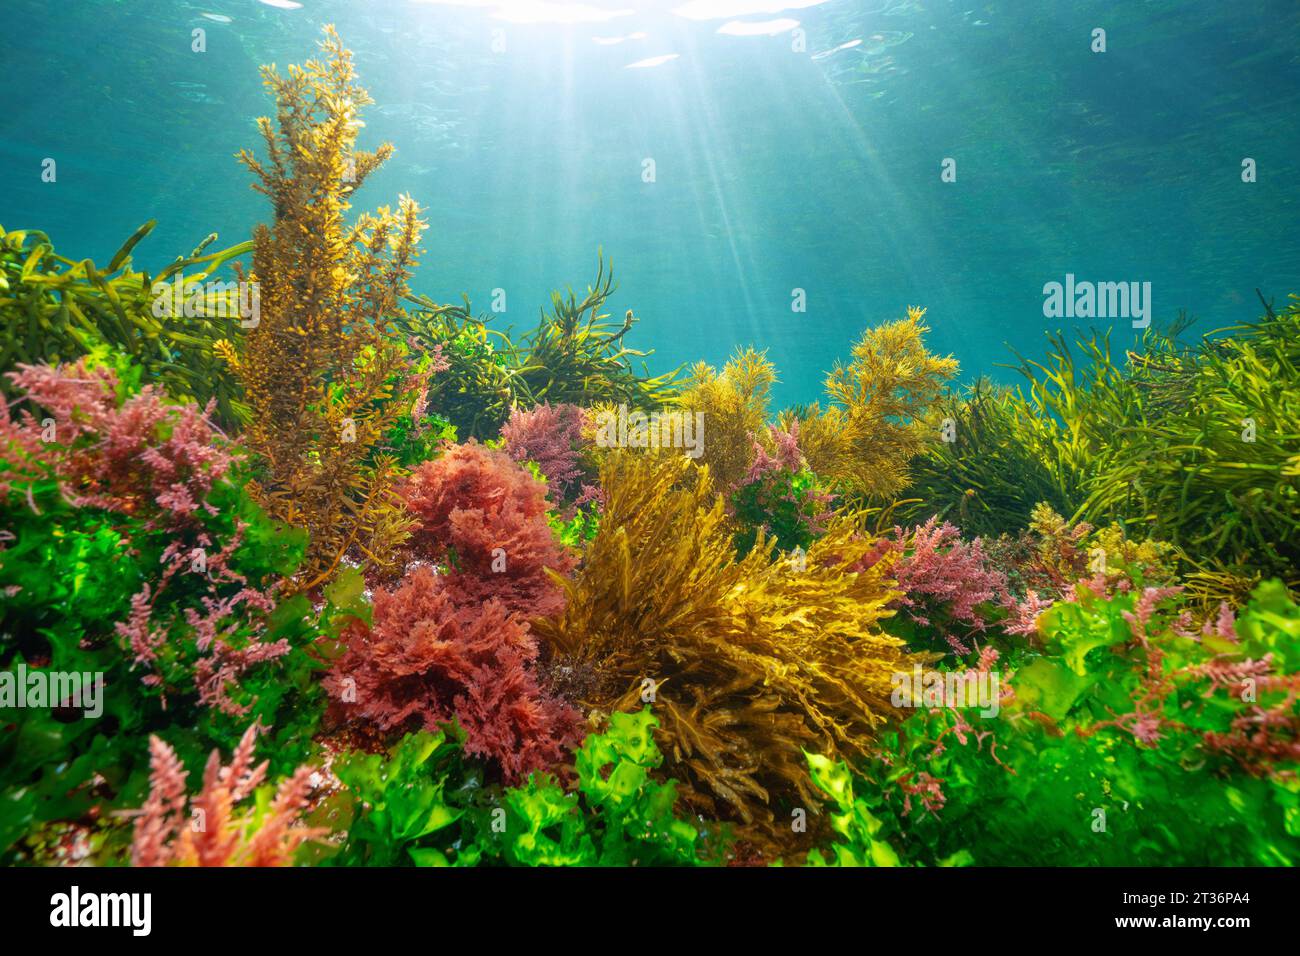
{"points": [[776, 168]]}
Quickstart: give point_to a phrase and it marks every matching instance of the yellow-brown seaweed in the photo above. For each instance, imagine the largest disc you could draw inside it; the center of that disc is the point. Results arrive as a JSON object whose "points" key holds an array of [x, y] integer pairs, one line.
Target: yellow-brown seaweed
{"points": [[747, 662], [324, 379]]}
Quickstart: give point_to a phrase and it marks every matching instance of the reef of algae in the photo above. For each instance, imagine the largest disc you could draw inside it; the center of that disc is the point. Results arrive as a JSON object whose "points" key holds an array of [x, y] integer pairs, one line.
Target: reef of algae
{"points": [[385, 559]]}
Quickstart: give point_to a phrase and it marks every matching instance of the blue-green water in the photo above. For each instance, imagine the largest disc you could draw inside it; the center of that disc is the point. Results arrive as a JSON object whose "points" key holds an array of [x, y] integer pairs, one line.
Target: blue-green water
{"points": [[806, 159]]}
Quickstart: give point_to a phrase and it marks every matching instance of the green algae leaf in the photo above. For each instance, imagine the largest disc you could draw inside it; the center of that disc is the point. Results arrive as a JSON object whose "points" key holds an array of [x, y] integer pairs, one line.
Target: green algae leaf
{"points": [[429, 858], [1291, 816], [855, 822], [1271, 625], [882, 854], [121, 255], [1078, 631], [401, 799], [415, 805], [347, 591], [830, 777], [1049, 687], [547, 826]]}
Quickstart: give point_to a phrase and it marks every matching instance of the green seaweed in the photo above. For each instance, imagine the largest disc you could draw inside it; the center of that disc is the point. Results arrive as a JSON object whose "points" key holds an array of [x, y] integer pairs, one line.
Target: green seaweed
{"points": [[1198, 446], [1112, 752], [424, 805], [54, 309], [573, 355], [979, 472]]}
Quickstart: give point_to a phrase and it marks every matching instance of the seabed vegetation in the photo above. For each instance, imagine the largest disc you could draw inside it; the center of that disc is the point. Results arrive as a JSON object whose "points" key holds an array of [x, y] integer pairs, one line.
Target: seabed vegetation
{"points": [[367, 582]]}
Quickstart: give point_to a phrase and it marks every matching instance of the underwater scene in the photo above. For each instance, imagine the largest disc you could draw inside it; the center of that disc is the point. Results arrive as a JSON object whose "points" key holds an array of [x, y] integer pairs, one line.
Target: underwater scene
{"points": [[649, 433]]}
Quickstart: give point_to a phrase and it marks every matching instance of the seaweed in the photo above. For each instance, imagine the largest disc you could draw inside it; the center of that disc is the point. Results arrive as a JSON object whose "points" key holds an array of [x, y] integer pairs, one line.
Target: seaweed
{"points": [[54, 310], [408, 801], [874, 424], [486, 517], [1216, 474], [790, 507], [1074, 416], [476, 392], [746, 662], [554, 438], [422, 804], [319, 370], [214, 832], [735, 406], [428, 657], [618, 816], [978, 471], [1199, 446], [1127, 740], [536, 649], [853, 821], [573, 355]]}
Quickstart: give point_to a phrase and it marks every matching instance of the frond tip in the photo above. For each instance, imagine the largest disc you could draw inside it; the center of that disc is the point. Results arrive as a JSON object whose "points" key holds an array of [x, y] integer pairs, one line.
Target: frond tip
{"points": [[879, 401], [216, 832]]}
